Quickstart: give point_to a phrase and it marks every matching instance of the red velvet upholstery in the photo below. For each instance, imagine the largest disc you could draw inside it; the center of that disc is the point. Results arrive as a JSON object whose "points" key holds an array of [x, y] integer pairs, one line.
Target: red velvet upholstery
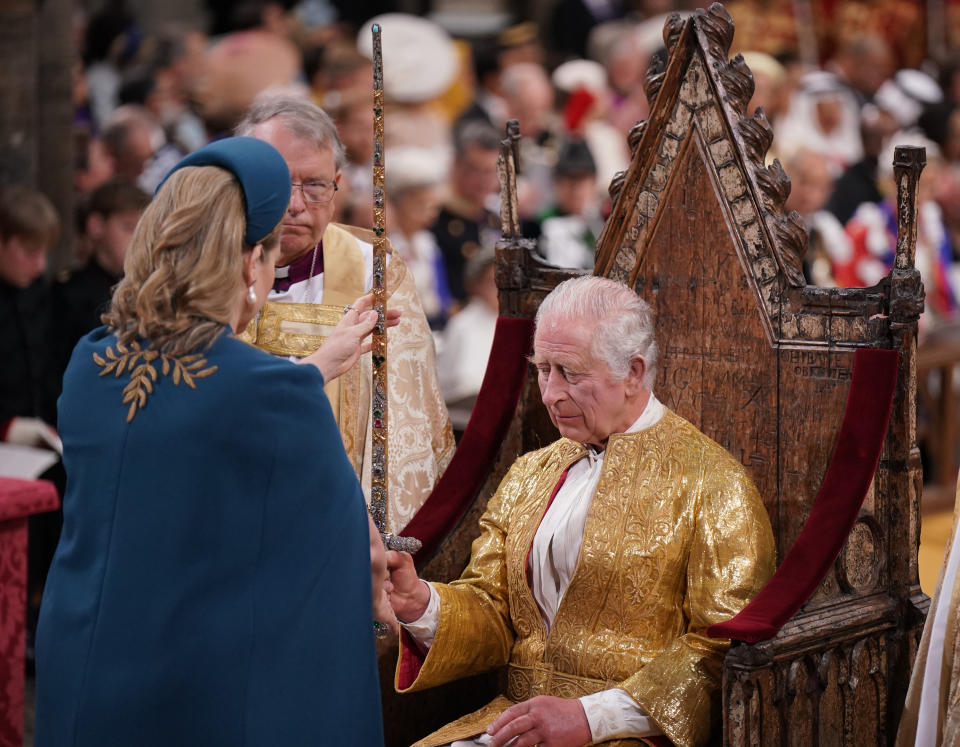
{"points": [[475, 454], [835, 510], [18, 500]]}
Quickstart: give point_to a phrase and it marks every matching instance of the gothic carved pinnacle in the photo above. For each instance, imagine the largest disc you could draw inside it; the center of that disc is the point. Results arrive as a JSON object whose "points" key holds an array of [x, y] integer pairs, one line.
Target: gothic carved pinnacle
{"points": [[672, 30], [635, 134], [757, 135], [655, 76], [774, 185], [790, 235], [738, 84], [616, 185], [717, 26]]}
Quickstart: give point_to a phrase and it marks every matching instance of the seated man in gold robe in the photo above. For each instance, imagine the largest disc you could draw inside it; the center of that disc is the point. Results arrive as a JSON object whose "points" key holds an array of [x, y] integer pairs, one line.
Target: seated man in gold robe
{"points": [[324, 267], [602, 558]]}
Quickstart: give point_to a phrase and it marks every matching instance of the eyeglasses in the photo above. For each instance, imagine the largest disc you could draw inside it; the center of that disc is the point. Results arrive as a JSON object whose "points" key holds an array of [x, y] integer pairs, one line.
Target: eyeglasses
{"points": [[320, 191]]}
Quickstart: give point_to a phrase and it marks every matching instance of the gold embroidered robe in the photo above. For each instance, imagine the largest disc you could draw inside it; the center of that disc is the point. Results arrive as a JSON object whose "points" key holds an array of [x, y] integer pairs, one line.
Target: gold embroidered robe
{"points": [[676, 539], [420, 439], [947, 711]]}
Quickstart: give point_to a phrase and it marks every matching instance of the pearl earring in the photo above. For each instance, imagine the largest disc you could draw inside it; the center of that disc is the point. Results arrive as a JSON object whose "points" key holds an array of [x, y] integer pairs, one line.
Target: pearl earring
{"points": [[252, 295]]}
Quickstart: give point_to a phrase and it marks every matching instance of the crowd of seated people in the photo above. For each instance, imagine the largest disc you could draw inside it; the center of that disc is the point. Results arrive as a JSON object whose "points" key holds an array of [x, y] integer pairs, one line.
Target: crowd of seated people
{"points": [[144, 97]]}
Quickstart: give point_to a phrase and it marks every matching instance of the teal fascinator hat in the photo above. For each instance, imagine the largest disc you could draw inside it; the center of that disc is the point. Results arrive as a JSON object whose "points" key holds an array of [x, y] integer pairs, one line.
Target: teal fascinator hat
{"points": [[262, 173]]}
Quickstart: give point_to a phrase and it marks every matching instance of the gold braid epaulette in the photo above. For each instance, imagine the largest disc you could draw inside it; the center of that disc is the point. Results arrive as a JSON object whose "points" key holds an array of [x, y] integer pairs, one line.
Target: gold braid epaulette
{"points": [[143, 374]]}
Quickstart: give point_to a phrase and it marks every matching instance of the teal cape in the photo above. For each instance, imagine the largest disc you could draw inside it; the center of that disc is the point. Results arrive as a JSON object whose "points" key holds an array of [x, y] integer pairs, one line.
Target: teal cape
{"points": [[212, 582]]}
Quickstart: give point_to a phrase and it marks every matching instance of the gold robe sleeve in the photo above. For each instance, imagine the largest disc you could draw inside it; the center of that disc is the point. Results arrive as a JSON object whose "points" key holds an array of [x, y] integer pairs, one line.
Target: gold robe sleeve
{"points": [[474, 633], [732, 555]]}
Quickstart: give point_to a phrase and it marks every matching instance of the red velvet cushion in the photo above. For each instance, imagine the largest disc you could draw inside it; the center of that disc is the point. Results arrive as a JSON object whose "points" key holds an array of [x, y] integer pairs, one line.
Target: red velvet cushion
{"points": [[835, 510]]}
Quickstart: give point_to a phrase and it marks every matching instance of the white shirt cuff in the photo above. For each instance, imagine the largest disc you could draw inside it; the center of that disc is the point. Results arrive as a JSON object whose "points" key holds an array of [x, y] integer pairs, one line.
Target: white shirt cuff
{"points": [[613, 714], [424, 628]]}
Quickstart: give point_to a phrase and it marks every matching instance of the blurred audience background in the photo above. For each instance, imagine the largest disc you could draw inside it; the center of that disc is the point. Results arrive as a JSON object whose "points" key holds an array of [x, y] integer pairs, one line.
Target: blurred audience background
{"points": [[838, 80], [841, 82]]}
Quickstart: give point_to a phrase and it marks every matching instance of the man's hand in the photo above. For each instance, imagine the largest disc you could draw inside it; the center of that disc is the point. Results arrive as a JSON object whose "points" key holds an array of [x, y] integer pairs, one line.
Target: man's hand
{"points": [[349, 339], [409, 596], [544, 720], [382, 611]]}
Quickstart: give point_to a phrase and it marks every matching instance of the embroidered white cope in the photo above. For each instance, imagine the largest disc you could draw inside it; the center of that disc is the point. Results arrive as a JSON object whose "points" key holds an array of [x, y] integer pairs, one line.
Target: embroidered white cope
{"points": [[612, 714], [928, 717]]}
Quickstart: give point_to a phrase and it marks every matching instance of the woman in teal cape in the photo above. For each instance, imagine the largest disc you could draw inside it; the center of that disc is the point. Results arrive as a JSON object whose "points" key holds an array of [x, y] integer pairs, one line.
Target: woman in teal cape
{"points": [[212, 584]]}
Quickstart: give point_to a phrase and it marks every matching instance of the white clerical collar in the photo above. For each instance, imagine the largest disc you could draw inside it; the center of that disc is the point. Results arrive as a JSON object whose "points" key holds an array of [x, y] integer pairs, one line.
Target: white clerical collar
{"points": [[649, 417], [281, 272]]}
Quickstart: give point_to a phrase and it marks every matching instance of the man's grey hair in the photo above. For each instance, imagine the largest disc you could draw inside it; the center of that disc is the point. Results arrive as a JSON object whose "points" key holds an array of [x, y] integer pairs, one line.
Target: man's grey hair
{"points": [[624, 328], [515, 78], [121, 125], [300, 117], [477, 134]]}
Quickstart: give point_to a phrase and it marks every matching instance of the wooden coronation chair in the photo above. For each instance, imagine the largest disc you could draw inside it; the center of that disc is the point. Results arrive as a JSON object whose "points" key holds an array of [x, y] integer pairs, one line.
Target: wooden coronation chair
{"points": [[813, 389]]}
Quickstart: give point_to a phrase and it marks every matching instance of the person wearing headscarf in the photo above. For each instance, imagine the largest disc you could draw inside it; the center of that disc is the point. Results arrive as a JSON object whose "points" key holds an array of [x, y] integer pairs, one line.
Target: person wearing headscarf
{"points": [[211, 513]]}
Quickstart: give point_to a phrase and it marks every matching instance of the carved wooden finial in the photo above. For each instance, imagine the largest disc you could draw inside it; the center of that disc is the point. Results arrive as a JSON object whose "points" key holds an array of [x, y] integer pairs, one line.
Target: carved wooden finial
{"points": [[717, 27], [908, 162], [672, 29], [507, 170], [906, 287], [656, 72], [738, 84], [757, 135]]}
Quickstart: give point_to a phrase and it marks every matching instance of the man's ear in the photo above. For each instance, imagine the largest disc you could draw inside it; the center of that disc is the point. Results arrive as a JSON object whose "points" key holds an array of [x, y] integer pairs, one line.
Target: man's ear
{"points": [[634, 380]]}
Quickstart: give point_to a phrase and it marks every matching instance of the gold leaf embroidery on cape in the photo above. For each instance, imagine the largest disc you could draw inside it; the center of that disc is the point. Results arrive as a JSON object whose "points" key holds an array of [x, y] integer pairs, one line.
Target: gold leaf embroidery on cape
{"points": [[141, 365]]}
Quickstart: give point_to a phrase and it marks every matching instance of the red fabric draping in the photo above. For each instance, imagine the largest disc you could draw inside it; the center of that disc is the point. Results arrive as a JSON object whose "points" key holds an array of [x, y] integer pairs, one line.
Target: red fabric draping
{"points": [[477, 450], [18, 499], [845, 485]]}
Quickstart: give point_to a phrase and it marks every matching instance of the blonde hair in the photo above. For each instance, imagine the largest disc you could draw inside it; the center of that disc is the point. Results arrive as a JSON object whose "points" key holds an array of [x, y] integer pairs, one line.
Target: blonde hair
{"points": [[183, 271]]}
